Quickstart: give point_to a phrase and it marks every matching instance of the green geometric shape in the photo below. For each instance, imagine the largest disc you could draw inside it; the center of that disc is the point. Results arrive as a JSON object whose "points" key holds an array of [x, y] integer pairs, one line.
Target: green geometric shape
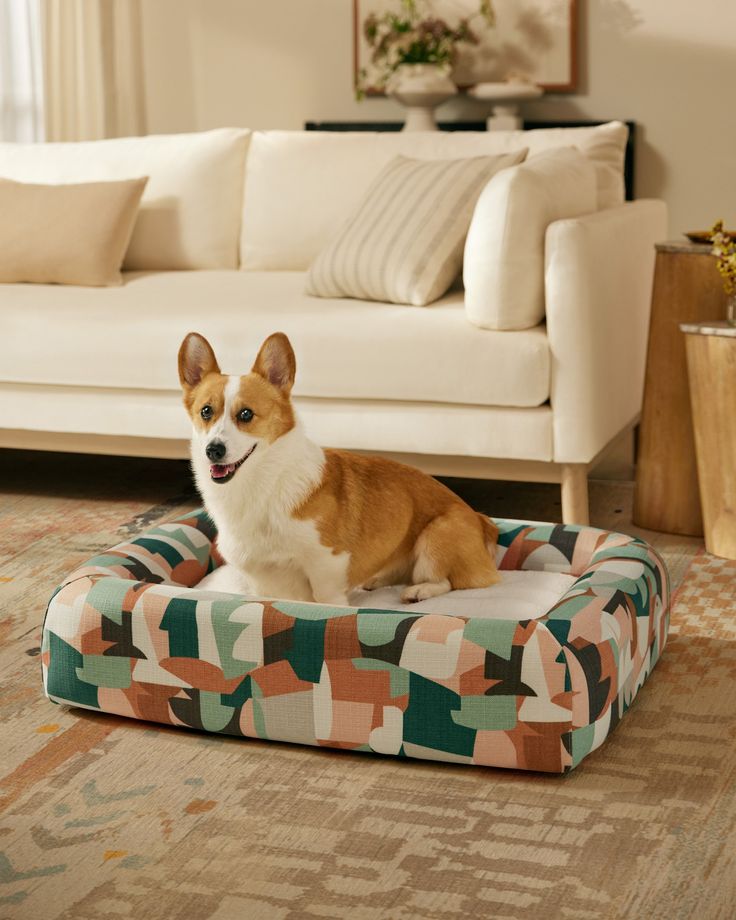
{"points": [[62, 674], [582, 741], [398, 677], [107, 595], [490, 713], [496, 636], [303, 611], [214, 715], [307, 652], [227, 632], [182, 535], [378, 627], [158, 548], [569, 607], [180, 621], [243, 692], [105, 671], [259, 722], [429, 721]]}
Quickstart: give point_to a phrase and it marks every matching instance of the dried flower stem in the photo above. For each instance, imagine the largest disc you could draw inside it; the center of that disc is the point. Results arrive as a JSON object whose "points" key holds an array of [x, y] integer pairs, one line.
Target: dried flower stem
{"points": [[724, 249]]}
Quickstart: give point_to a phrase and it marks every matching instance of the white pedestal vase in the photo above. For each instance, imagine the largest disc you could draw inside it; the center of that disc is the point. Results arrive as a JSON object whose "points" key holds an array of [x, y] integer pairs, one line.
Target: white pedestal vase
{"points": [[505, 98], [421, 88]]}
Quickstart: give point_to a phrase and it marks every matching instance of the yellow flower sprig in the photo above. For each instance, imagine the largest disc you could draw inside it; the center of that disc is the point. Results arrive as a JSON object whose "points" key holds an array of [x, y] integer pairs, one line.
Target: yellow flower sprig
{"points": [[724, 249]]}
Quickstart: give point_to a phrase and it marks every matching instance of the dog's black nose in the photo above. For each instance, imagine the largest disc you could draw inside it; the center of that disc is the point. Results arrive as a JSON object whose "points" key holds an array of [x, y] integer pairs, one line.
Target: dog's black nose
{"points": [[215, 451]]}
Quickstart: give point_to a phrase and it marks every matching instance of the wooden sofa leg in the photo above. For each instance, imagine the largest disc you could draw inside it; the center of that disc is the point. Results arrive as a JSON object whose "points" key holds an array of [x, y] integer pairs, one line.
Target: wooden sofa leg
{"points": [[575, 493]]}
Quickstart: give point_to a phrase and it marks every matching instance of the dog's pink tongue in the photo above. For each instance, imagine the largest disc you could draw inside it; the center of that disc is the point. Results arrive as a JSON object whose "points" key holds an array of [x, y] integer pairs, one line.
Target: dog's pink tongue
{"points": [[220, 470]]}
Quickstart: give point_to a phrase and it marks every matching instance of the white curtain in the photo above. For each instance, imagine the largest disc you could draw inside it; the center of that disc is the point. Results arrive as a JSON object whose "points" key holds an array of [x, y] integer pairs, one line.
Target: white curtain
{"points": [[93, 69], [21, 82]]}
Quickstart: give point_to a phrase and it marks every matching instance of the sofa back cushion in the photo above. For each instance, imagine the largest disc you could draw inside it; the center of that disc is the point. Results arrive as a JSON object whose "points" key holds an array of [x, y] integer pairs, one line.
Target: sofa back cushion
{"points": [[301, 186], [503, 266], [190, 212]]}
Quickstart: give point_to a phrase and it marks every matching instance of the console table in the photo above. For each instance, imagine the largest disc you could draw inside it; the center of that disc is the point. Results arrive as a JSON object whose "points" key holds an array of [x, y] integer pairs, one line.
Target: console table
{"points": [[687, 289]]}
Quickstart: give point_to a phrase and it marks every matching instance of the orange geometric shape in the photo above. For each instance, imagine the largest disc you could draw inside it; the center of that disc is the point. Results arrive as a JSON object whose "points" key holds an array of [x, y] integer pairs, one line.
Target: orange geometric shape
{"points": [[198, 806], [113, 854], [277, 679]]}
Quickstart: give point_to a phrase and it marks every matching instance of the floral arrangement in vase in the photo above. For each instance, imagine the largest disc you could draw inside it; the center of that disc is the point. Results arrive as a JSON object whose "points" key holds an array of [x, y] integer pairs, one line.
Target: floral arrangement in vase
{"points": [[724, 249], [413, 35]]}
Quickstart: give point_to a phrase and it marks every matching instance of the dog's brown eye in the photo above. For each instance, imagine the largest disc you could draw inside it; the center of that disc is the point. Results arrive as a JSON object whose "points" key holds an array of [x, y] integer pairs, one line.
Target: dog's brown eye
{"points": [[206, 412], [245, 415]]}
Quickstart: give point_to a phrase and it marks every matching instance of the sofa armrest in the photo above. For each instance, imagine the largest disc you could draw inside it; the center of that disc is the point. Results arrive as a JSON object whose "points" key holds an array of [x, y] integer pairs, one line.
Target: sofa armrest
{"points": [[598, 284]]}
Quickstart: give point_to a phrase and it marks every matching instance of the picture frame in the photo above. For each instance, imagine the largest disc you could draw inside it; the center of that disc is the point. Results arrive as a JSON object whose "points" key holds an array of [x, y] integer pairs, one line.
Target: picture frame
{"points": [[534, 39]]}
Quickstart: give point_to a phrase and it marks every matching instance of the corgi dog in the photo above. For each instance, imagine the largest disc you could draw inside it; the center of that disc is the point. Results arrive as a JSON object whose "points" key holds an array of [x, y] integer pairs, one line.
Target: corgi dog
{"points": [[301, 523]]}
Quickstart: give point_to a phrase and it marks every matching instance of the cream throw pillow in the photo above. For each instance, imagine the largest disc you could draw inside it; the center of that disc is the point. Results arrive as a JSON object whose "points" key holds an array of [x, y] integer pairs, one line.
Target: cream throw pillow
{"points": [[66, 234], [404, 244], [503, 266]]}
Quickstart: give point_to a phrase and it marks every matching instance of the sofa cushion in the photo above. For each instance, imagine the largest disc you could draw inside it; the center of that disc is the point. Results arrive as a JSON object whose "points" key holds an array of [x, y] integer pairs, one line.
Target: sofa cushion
{"points": [[503, 268], [129, 337], [404, 243], [300, 186], [190, 212], [66, 234]]}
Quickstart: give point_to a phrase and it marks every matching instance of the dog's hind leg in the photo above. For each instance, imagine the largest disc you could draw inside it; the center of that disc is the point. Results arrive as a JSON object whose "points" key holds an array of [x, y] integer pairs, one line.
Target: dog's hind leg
{"points": [[451, 553]]}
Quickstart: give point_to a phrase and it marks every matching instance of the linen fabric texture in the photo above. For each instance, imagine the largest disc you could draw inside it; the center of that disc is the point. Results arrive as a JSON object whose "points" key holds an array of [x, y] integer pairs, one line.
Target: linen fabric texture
{"points": [[190, 212], [301, 186], [404, 244], [503, 266], [66, 234], [129, 633]]}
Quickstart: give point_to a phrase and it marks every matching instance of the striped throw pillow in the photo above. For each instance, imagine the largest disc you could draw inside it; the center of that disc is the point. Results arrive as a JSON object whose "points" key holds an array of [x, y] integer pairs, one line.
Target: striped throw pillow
{"points": [[404, 244]]}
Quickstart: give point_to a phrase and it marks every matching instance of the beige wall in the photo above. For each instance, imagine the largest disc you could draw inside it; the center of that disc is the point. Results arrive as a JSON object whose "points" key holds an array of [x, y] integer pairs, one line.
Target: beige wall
{"points": [[668, 64]]}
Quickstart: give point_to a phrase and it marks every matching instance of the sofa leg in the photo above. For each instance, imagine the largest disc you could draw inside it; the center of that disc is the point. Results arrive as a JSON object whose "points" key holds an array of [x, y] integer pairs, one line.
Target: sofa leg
{"points": [[575, 493]]}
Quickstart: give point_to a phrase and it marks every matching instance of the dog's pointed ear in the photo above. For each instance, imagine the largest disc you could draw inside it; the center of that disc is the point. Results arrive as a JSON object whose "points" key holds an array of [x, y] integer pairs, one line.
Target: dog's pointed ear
{"points": [[196, 360], [276, 362]]}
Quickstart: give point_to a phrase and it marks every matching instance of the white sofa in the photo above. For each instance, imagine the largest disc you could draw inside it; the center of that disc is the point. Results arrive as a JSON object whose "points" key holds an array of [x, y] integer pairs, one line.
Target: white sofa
{"points": [[228, 226]]}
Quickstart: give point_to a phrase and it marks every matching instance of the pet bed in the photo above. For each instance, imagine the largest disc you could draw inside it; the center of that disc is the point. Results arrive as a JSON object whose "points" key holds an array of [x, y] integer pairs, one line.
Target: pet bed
{"points": [[534, 682]]}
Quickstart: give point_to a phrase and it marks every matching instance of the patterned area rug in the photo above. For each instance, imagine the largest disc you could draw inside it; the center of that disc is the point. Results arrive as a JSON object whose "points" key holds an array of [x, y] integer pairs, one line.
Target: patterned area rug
{"points": [[105, 817]]}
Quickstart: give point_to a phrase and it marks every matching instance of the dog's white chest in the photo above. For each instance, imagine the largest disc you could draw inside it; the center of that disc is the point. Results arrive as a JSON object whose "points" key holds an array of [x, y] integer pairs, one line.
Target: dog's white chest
{"points": [[267, 538]]}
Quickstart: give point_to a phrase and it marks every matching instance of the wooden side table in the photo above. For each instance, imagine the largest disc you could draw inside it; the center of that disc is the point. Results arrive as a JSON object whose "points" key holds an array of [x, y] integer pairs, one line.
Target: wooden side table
{"points": [[687, 289], [711, 361]]}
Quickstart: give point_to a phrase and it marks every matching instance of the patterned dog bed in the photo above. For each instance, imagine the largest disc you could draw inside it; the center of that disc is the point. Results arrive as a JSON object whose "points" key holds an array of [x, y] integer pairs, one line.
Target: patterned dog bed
{"points": [[130, 633]]}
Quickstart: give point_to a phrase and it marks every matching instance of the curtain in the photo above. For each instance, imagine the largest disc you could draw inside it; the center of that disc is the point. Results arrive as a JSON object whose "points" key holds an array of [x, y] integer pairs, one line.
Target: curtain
{"points": [[93, 69], [21, 82]]}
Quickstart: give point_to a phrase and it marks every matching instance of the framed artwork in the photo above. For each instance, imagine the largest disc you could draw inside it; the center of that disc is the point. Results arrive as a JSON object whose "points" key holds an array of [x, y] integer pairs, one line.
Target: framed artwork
{"points": [[534, 39]]}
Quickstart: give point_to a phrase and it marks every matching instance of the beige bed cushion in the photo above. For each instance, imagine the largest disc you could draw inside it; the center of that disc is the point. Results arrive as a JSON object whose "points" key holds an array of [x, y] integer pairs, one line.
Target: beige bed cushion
{"points": [[190, 212], [66, 234], [404, 243]]}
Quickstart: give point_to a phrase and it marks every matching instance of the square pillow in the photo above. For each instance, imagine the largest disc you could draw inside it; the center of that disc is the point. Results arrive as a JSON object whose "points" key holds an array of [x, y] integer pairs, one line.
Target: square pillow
{"points": [[404, 243], [66, 234]]}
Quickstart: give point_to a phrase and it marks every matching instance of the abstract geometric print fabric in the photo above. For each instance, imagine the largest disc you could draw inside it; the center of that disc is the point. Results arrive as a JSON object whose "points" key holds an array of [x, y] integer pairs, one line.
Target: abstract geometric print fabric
{"points": [[130, 633]]}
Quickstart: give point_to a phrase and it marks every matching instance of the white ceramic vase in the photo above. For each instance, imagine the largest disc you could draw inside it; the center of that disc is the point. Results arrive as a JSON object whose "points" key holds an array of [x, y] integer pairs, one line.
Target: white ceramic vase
{"points": [[421, 88]]}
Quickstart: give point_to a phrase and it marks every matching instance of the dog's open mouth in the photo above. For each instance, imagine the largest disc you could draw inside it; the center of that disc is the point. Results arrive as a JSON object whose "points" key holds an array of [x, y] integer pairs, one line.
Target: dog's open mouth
{"points": [[224, 472]]}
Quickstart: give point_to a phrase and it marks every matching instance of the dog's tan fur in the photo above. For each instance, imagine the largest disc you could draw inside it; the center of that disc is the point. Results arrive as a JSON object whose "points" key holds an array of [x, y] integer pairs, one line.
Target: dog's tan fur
{"points": [[390, 523], [387, 516]]}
